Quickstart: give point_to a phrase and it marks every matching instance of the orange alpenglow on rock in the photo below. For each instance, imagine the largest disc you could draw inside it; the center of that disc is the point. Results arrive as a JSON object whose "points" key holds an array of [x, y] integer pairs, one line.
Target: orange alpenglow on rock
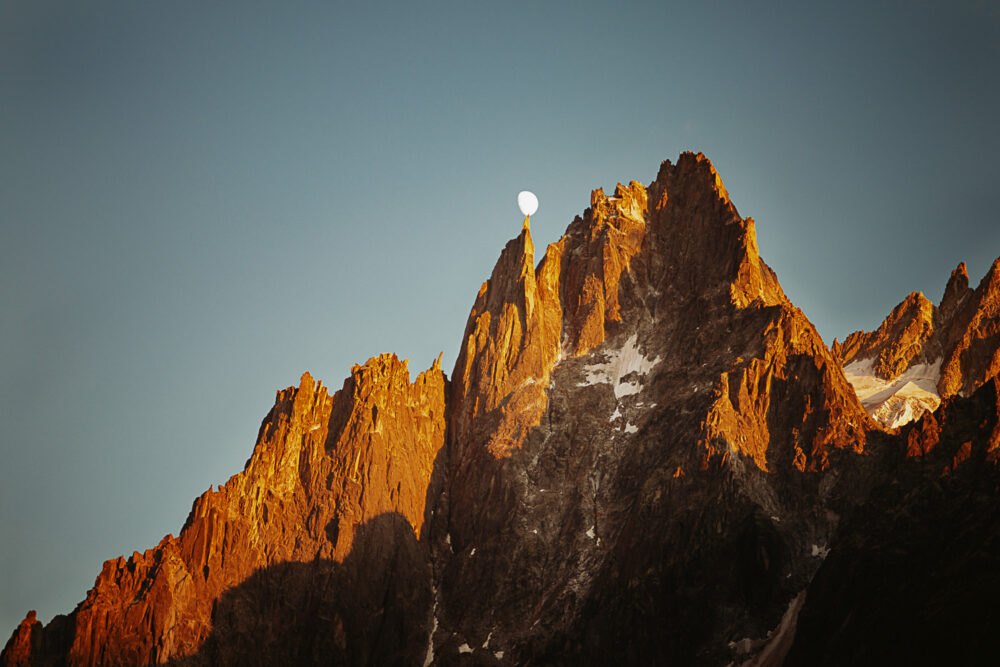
{"points": [[923, 354], [642, 407]]}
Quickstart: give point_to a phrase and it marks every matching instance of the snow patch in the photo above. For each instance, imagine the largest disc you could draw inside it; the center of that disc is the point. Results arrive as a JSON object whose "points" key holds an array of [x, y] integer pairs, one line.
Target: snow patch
{"points": [[620, 363], [464, 648], [473, 552], [893, 403], [590, 532], [627, 389], [631, 428], [498, 655], [487, 642], [617, 414], [315, 427], [821, 551], [429, 657]]}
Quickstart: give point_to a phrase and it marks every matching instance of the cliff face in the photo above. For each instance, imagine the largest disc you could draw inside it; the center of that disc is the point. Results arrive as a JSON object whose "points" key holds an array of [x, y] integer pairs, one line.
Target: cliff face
{"points": [[685, 405], [325, 470], [643, 455], [922, 353]]}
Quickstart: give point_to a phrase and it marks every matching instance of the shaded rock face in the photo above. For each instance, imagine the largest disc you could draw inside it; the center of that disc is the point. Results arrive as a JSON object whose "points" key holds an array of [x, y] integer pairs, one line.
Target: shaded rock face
{"points": [[914, 574], [643, 456], [369, 609]]}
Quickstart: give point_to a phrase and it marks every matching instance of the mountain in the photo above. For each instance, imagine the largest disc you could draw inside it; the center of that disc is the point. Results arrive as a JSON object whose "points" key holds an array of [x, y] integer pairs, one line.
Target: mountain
{"points": [[922, 353], [643, 455], [685, 393], [317, 535]]}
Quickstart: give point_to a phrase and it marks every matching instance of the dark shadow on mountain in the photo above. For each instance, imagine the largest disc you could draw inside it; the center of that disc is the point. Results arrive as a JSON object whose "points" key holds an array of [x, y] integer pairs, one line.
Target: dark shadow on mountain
{"points": [[914, 574], [371, 609]]}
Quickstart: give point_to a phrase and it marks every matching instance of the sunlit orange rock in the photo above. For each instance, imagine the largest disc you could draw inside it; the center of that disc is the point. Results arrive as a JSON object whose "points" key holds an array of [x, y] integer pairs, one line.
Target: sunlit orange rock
{"points": [[324, 467], [900, 341], [643, 456], [25, 643], [957, 342], [677, 350]]}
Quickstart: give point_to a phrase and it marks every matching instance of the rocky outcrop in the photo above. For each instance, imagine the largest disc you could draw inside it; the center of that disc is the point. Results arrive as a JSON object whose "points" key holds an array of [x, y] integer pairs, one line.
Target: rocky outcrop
{"points": [[25, 643], [971, 339], [511, 344], [922, 353], [325, 470]]}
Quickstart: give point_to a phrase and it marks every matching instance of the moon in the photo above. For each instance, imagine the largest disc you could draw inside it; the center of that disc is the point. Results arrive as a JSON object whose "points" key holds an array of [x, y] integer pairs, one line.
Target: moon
{"points": [[527, 202]]}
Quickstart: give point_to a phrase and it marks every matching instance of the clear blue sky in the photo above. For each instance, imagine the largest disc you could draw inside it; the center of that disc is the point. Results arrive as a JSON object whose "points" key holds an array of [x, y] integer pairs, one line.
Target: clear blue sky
{"points": [[198, 203]]}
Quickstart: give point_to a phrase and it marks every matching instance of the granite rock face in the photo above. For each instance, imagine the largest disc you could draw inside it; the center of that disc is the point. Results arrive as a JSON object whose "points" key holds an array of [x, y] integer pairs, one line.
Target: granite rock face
{"points": [[923, 353], [643, 456], [902, 340], [334, 483], [25, 643], [693, 423]]}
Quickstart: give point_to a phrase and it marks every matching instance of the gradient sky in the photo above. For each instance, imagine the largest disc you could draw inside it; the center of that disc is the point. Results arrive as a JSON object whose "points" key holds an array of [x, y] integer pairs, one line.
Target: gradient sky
{"points": [[198, 203]]}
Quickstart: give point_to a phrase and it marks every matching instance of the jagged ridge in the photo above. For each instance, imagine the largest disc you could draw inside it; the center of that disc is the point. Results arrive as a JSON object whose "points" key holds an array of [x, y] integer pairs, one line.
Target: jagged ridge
{"points": [[323, 468], [922, 353], [642, 456]]}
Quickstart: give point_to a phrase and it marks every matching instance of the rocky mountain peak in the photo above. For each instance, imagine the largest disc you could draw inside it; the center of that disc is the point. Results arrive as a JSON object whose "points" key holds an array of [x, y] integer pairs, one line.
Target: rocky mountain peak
{"points": [[695, 174], [704, 243], [661, 312], [25, 644], [898, 342], [690, 243], [955, 293], [970, 339], [921, 354], [643, 454], [511, 343], [630, 201]]}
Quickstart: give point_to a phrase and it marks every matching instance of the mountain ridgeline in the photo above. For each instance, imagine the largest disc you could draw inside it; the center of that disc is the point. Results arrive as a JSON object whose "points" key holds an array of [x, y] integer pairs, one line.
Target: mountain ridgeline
{"points": [[645, 454]]}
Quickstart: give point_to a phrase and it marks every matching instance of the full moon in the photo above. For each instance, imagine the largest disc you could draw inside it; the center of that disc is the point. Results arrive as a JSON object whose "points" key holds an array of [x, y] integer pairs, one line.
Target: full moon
{"points": [[527, 202]]}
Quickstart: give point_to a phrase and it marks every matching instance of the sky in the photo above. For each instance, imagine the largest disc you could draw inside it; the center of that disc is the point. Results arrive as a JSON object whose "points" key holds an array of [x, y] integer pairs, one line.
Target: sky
{"points": [[200, 201]]}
